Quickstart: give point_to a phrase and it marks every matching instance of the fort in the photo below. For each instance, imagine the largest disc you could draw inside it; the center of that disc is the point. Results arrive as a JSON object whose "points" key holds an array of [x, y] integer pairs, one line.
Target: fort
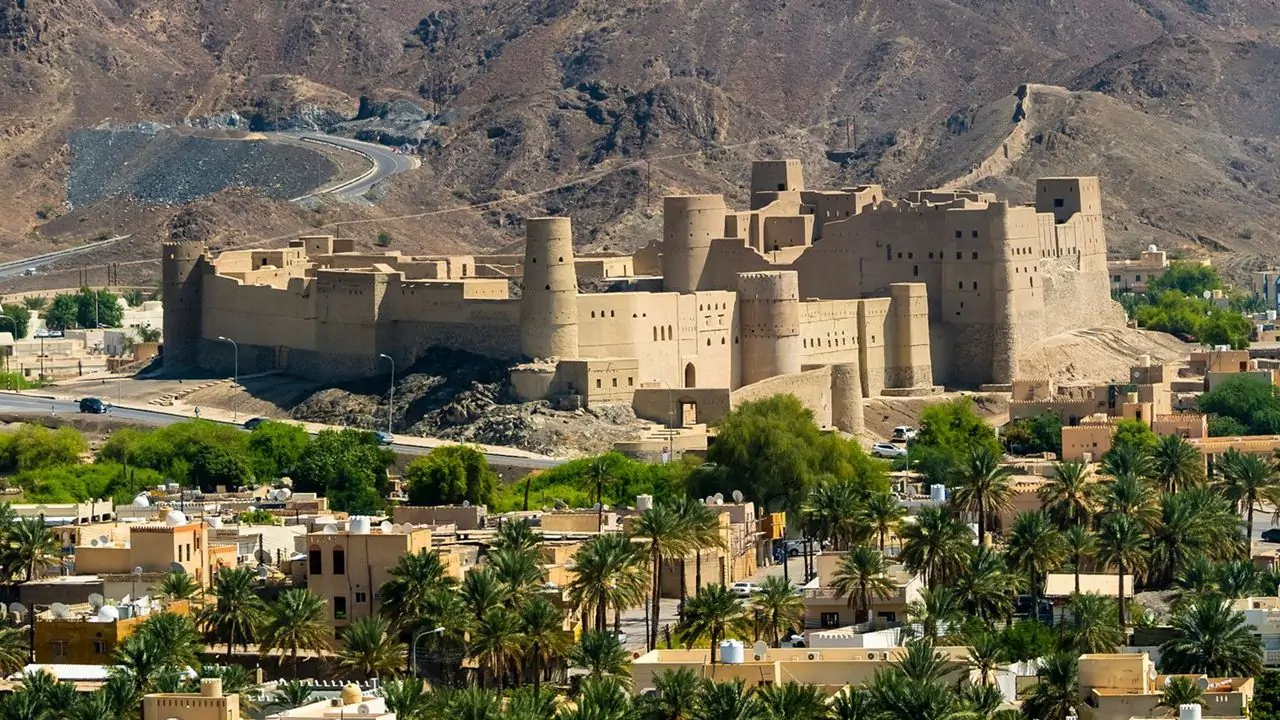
{"points": [[834, 295]]}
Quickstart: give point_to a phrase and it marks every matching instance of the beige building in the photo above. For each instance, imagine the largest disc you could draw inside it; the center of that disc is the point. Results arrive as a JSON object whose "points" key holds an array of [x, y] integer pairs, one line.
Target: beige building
{"points": [[347, 567], [352, 705], [209, 704], [1125, 685], [87, 635], [156, 548], [826, 608], [830, 295], [1134, 275]]}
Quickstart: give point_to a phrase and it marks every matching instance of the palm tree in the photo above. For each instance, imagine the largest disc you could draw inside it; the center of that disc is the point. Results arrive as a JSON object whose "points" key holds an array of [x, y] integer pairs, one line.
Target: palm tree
{"points": [[475, 703], [1056, 696], [531, 703], [1035, 547], [668, 537], [883, 513], [727, 701], [483, 590], [985, 702], [368, 648], [1070, 497], [236, 612], [608, 572], [413, 577], [600, 473], [1247, 480], [1180, 535], [601, 655], [703, 527], [544, 637], [177, 586], [495, 643], [833, 513], [1176, 465], [988, 589], [1212, 639], [1081, 543], [516, 535], [1132, 495], [1127, 459], [985, 655], [1179, 690], [14, 651], [1121, 545], [292, 694], [31, 546], [173, 636], [777, 602], [676, 694], [923, 663], [936, 612], [1238, 579], [850, 704], [792, 701], [711, 614], [520, 571], [600, 699], [1094, 627], [982, 486], [409, 698], [296, 622], [935, 545], [859, 576]]}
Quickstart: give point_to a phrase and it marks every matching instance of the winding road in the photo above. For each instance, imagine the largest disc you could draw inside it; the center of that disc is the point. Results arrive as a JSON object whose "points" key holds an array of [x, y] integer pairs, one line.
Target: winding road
{"points": [[18, 267], [386, 163]]}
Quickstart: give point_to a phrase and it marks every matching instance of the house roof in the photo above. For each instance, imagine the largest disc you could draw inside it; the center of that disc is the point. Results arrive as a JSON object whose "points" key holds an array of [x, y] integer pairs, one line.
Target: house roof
{"points": [[1061, 585]]}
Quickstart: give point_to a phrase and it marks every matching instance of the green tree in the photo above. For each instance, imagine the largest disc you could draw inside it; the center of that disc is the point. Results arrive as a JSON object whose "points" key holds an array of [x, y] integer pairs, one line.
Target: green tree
{"points": [[413, 578], [1188, 278], [1029, 436], [495, 643], [174, 636], [215, 465], [778, 606], [13, 650], [936, 612], [954, 431], [1210, 638], [62, 313], [545, 643], [982, 486], [31, 547], [1035, 547], [711, 615], [1056, 694], [1266, 696], [450, 474], [1247, 480], [792, 701], [1243, 398], [1179, 691], [727, 701], [677, 695], [348, 467], [1027, 640], [236, 613], [668, 537], [833, 513], [1225, 327], [177, 586], [275, 449], [296, 693], [21, 319], [1133, 433], [369, 649], [1094, 627], [1070, 496], [1176, 464], [1121, 545], [860, 576], [935, 545], [883, 513], [1081, 543], [97, 308], [609, 573], [602, 656], [986, 586], [296, 622]]}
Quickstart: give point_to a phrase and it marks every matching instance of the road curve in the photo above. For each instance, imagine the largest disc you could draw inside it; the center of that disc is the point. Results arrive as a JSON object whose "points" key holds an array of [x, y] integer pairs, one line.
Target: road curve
{"points": [[17, 267], [30, 405], [386, 163]]}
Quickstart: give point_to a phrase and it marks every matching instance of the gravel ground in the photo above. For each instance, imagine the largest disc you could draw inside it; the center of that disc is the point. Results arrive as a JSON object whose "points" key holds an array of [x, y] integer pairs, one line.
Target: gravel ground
{"points": [[165, 168]]}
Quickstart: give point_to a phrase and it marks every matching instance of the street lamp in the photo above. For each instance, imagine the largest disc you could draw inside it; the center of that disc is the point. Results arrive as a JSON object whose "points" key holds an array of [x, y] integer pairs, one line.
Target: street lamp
{"points": [[235, 414], [413, 646], [391, 392], [671, 419]]}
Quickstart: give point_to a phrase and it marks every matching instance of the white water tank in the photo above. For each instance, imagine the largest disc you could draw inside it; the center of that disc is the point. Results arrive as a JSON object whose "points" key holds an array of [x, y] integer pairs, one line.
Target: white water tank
{"points": [[644, 502], [358, 525], [108, 613], [214, 521], [1271, 315], [175, 518], [732, 652], [142, 501], [1190, 711], [938, 492]]}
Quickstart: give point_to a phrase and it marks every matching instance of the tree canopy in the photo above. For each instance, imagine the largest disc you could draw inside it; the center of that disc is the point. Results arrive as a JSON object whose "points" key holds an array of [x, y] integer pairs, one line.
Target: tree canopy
{"points": [[1242, 405], [450, 474], [349, 467]]}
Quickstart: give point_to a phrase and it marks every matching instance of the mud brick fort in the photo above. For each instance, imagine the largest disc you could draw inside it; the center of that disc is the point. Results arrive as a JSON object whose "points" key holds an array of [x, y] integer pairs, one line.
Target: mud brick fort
{"points": [[833, 295]]}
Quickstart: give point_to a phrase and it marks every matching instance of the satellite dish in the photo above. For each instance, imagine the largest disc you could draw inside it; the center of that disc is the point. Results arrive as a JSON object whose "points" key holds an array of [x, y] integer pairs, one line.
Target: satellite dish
{"points": [[761, 649], [386, 527], [737, 496], [126, 599], [719, 497], [96, 600], [104, 540], [1202, 682], [261, 555], [329, 529], [711, 500], [93, 542], [17, 607], [137, 571], [263, 572], [362, 708], [466, 503], [60, 611], [177, 568]]}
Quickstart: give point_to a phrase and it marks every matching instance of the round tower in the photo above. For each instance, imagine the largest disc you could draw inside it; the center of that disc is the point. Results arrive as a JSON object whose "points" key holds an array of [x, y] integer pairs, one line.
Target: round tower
{"points": [[549, 306], [689, 224], [181, 269], [769, 321], [846, 398]]}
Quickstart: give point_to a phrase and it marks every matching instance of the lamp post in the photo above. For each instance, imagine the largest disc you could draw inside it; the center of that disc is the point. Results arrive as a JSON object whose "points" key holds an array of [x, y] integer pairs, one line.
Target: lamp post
{"points": [[391, 391], [413, 648], [235, 413], [671, 419]]}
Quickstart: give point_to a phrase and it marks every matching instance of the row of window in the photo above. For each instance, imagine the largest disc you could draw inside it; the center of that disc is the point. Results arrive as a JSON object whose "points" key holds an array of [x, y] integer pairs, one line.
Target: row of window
{"points": [[630, 382], [912, 256], [316, 565]]}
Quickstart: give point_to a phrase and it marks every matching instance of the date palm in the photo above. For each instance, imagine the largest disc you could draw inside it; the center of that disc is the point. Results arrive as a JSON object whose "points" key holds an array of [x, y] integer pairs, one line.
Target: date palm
{"points": [[676, 696], [985, 702], [985, 655], [982, 486], [727, 701], [1239, 579], [608, 572], [1132, 495], [1181, 534], [883, 513], [483, 590], [174, 636], [177, 586], [851, 704], [13, 650], [516, 535], [667, 534], [1121, 545], [31, 546], [1248, 480], [1035, 547], [1081, 543], [1127, 460], [602, 656], [1056, 695], [1179, 690], [296, 622], [711, 615], [936, 612], [860, 576], [545, 642], [520, 572], [1211, 638], [496, 641], [294, 693], [236, 612], [413, 577], [791, 701], [832, 513], [935, 545], [703, 527], [369, 649], [1070, 497], [1093, 627], [987, 588], [778, 604], [1175, 464], [530, 703]]}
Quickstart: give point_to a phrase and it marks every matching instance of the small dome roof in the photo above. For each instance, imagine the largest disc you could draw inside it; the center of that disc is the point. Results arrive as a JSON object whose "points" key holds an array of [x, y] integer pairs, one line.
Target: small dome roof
{"points": [[175, 518], [351, 694], [142, 501]]}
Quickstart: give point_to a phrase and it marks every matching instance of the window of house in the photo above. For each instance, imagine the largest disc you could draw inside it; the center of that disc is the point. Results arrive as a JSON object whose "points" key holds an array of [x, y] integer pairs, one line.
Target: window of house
{"points": [[99, 647], [188, 552], [915, 271], [611, 314], [830, 619], [671, 333], [958, 255], [615, 382], [975, 256], [339, 561], [911, 256], [314, 565], [975, 284], [339, 608], [631, 382], [899, 256], [975, 233], [599, 384], [1059, 202], [961, 285], [1137, 278], [959, 234], [59, 648], [361, 597]]}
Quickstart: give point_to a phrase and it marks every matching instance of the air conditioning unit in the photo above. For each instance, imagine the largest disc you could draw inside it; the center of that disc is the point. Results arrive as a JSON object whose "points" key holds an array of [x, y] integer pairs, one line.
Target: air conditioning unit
{"points": [[871, 656], [815, 656], [759, 657]]}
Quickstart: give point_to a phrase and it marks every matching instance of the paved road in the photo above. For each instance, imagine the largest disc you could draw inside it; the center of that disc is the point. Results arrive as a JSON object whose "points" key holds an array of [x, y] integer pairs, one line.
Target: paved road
{"points": [[18, 267], [386, 162], [14, 403]]}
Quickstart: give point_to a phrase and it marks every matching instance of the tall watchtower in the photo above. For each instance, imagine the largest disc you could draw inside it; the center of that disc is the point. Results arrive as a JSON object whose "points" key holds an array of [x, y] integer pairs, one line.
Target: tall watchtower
{"points": [[549, 305], [689, 224], [769, 321], [182, 269]]}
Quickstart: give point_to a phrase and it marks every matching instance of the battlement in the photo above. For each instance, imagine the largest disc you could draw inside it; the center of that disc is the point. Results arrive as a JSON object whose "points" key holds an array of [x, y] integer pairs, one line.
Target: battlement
{"points": [[771, 285]]}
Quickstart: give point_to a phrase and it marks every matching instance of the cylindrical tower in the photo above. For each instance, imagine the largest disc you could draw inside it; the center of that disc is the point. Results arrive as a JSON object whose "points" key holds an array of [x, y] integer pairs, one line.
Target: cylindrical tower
{"points": [[689, 224], [549, 306], [181, 264], [769, 321], [909, 363], [846, 398]]}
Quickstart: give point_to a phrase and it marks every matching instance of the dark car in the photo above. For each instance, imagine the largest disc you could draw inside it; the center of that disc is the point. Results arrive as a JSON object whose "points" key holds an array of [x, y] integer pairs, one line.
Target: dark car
{"points": [[1271, 536], [93, 405], [384, 437], [252, 423]]}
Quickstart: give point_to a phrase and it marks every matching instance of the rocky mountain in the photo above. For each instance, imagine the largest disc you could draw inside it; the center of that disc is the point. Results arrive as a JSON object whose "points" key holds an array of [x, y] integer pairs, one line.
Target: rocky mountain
{"points": [[597, 108]]}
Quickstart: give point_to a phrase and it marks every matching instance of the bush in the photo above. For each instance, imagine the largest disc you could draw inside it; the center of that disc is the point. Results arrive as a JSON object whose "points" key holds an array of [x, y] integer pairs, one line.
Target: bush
{"points": [[80, 483], [1242, 405], [34, 447], [383, 240], [192, 452], [449, 475], [1133, 433], [574, 482], [951, 430], [1028, 436], [257, 516], [20, 318], [275, 449], [349, 468]]}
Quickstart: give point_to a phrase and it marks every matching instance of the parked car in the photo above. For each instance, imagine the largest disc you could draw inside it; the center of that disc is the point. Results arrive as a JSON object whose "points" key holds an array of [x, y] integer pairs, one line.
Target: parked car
{"points": [[888, 450], [384, 437], [904, 433], [252, 423], [1271, 536], [93, 405], [743, 589]]}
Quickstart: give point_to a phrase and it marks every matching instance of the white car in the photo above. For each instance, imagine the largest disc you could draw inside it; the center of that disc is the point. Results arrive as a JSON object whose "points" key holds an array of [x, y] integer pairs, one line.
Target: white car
{"points": [[904, 433], [743, 589], [888, 451]]}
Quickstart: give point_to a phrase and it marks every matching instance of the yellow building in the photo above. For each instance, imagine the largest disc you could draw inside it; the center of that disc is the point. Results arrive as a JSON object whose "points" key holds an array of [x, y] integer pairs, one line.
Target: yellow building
{"points": [[352, 705], [348, 567], [157, 548], [826, 608], [208, 704], [1119, 686], [84, 635]]}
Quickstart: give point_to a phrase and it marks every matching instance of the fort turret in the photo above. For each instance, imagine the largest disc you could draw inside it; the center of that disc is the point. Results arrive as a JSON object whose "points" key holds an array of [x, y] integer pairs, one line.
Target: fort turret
{"points": [[846, 398], [182, 266], [908, 361], [549, 305], [769, 320], [689, 224]]}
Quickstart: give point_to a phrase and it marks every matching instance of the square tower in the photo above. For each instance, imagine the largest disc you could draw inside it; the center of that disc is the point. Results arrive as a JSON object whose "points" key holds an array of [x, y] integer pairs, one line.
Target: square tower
{"points": [[777, 176], [1068, 196]]}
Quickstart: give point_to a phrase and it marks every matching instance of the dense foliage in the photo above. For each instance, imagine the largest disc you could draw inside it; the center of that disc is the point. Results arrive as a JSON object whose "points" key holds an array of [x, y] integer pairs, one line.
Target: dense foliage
{"points": [[1174, 303], [449, 475], [1242, 405]]}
